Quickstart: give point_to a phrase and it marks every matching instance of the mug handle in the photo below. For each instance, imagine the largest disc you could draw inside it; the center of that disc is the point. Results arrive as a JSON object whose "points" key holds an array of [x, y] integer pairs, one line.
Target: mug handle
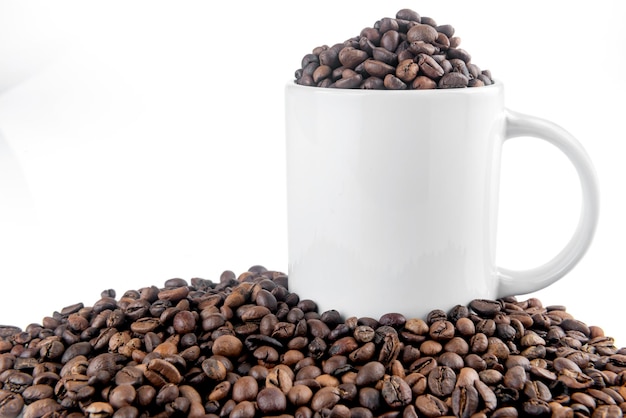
{"points": [[516, 282]]}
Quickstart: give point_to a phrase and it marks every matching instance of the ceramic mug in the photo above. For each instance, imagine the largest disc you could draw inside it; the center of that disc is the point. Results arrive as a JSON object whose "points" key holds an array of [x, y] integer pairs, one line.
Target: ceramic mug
{"points": [[392, 198]]}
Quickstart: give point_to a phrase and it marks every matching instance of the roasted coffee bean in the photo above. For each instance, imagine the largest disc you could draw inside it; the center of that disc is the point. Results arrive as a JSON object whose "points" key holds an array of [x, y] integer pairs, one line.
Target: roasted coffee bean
{"points": [[11, 404], [396, 392], [385, 56], [429, 67], [390, 39], [350, 57], [453, 80], [423, 83], [391, 82], [441, 381], [465, 401], [421, 32], [407, 70], [122, 395], [160, 372], [378, 69], [271, 401], [431, 406], [350, 82]]}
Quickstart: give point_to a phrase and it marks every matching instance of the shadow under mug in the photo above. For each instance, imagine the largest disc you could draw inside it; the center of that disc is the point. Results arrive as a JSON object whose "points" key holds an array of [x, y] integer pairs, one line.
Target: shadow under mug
{"points": [[393, 198]]}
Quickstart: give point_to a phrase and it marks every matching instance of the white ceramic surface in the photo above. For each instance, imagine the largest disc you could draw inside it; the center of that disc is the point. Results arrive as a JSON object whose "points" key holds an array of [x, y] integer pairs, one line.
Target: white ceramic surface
{"points": [[393, 198]]}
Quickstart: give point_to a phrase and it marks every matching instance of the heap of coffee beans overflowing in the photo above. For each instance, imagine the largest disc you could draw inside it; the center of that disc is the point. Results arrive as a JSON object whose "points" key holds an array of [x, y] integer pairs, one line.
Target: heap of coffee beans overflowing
{"points": [[406, 52], [246, 347]]}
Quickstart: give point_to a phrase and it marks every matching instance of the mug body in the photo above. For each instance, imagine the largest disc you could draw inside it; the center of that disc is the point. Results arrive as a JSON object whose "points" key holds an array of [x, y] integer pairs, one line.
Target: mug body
{"points": [[392, 197]]}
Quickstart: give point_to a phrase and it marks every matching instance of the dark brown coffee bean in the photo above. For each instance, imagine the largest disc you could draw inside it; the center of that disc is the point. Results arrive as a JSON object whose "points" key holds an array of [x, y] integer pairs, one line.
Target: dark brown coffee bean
{"points": [[378, 68], [408, 14], [127, 411], [458, 53], [429, 67], [459, 66], [160, 372], [364, 334], [536, 407], [458, 346], [122, 395], [421, 32], [431, 406], [441, 330], [464, 401], [129, 375], [320, 73], [441, 381], [388, 24], [515, 378], [371, 34], [383, 55], [173, 294], [36, 392], [370, 373], [423, 83], [228, 346], [350, 82], [396, 392], [451, 360], [299, 395], [421, 47], [271, 401], [350, 57], [370, 398], [423, 365], [575, 325], [145, 395], [11, 404], [453, 80], [390, 40], [485, 307], [407, 70], [607, 411]]}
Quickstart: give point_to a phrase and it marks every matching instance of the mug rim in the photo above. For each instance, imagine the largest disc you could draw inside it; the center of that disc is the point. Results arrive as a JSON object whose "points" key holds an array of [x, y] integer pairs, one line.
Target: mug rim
{"points": [[497, 84]]}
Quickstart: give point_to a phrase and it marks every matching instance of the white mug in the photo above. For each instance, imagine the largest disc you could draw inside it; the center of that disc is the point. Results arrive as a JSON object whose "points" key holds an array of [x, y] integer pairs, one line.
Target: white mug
{"points": [[392, 198]]}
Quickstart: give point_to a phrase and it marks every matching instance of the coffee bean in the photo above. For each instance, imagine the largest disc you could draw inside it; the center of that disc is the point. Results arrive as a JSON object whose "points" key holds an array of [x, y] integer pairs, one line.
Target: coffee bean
{"points": [[408, 14], [11, 404], [350, 57], [350, 82], [423, 83], [396, 392], [378, 68], [431, 406], [429, 67], [160, 372], [441, 381], [390, 39], [421, 32], [407, 70], [391, 82], [464, 401]]}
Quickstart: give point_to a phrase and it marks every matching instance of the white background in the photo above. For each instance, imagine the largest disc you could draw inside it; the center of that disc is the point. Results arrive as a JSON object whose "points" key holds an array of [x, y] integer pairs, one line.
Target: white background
{"points": [[141, 141]]}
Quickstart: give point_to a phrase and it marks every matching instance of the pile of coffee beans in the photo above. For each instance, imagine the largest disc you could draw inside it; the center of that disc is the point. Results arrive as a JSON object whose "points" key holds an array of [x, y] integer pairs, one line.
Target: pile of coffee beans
{"points": [[246, 347], [406, 52]]}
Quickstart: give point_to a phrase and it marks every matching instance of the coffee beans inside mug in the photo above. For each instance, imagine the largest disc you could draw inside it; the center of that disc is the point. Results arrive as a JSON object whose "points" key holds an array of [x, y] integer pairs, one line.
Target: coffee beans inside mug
{"points": [[408, 52], [491, 358]]}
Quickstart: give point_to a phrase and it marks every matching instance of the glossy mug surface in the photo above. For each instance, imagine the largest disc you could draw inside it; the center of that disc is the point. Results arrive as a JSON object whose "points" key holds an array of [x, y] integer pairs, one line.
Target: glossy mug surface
{"points": [[393, 198]]}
